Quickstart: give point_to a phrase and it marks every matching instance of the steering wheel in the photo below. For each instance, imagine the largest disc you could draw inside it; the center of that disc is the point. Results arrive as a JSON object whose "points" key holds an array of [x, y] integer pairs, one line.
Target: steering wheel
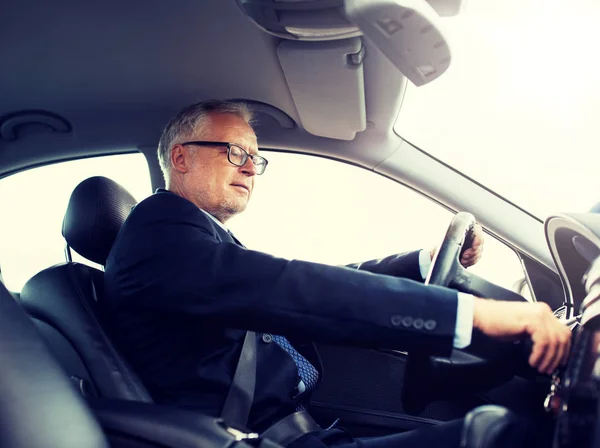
{"points": [[446, 269], [485, 364], [446, 263]]}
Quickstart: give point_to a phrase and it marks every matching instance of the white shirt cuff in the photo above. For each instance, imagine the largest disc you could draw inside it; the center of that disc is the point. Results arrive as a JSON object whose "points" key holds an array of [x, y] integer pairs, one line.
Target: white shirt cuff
{"points": [[464, 320], [424, 262]]}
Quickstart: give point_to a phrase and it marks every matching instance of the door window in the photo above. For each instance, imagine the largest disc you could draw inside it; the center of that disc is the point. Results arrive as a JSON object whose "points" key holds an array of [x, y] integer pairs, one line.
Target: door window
{"points": [[316, 209], [34, 202]]}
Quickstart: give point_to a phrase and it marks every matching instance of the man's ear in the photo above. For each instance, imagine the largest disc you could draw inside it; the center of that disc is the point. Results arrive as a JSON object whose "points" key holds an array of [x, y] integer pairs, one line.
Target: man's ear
{"points": [[180, 158]]}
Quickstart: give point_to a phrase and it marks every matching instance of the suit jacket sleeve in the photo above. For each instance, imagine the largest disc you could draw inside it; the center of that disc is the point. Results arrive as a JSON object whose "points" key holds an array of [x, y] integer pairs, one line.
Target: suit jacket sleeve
{"points": [[400, 265], [168, 258]]}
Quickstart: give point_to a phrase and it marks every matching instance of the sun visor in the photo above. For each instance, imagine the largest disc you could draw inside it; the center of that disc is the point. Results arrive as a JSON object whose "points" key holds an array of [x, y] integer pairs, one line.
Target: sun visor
{"points": [[327, 84]]}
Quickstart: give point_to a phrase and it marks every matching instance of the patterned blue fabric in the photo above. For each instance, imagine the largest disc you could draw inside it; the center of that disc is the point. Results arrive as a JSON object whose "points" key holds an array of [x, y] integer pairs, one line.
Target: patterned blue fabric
{"points": [[306, 371]]}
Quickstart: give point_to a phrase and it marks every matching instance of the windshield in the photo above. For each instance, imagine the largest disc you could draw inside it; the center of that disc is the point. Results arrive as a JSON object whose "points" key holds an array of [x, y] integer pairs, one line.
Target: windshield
{"points": [[519, 108]]}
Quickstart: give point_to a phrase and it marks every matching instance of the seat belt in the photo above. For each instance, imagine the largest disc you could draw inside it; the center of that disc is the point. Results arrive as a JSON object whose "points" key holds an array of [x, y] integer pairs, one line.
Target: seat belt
{"points": [[291, 427], [238, 402], [241, 393]]}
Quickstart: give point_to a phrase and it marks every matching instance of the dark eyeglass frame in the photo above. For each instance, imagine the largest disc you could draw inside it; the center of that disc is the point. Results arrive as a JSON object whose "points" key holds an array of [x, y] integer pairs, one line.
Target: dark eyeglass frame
{"points": [[253, 157]]}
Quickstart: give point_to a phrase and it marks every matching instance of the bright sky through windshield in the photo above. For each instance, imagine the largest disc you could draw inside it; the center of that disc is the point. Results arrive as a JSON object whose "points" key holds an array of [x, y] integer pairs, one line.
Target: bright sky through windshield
{"points": [[519, 108]]}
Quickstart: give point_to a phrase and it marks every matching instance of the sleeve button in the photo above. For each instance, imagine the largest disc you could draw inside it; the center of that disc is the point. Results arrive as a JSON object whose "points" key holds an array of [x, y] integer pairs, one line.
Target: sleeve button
{"points": [[430, 325], [407, 321], [418, 324], [396, 320]]}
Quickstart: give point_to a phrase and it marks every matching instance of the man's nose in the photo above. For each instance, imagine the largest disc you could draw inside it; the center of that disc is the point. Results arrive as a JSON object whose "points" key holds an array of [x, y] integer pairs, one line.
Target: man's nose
{"points": [[249, 168]]}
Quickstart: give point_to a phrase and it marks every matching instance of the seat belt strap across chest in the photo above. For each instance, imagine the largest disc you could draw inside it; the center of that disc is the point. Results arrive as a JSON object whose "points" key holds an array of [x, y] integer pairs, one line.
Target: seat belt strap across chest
{"points": [[240, 397]]}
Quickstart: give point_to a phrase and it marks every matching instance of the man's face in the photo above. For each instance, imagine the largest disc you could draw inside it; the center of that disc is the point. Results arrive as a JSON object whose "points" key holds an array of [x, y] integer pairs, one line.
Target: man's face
{"points": [[210, 180]]}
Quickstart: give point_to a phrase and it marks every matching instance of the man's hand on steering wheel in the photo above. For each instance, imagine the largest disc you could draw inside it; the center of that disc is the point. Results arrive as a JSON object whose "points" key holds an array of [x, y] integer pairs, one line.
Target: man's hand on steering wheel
{"points": [[471, 254]]}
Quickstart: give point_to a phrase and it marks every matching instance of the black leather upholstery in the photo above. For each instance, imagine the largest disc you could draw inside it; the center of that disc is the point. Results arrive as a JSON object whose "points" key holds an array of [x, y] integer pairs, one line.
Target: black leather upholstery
{"points": [[63, 299], [164, 426], [97, 209], [38, 407], [493, 426]]}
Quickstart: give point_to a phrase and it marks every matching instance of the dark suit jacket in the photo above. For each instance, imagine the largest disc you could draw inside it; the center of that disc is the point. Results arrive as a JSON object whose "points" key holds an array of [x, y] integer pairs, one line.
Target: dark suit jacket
{"points": [[181, 293]]}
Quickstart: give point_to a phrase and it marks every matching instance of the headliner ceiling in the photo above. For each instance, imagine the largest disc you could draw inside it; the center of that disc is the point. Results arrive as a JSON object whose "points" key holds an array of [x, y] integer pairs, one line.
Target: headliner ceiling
{"points": [[117, 71], [133, 55]]}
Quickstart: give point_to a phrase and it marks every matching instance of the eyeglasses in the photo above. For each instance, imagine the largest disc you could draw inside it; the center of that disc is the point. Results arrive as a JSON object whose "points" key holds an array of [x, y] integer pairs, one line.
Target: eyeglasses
{"points": [[236, 155]]}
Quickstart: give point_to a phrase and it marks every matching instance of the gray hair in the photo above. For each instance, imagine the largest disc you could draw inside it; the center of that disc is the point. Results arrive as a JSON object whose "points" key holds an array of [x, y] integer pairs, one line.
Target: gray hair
{"points": [[191, 120]]}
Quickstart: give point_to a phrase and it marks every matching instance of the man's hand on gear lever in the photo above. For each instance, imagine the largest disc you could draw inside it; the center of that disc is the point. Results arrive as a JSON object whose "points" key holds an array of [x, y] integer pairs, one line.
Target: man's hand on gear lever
{"points": [[515, 320]]}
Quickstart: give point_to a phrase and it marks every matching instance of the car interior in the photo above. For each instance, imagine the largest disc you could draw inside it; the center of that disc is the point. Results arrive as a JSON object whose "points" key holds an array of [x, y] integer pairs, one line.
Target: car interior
{"points": [[326, 78]]}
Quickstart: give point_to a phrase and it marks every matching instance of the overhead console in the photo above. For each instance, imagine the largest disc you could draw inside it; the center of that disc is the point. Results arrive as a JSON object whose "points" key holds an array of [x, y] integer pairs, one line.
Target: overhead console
{"points": [[322, 51]]}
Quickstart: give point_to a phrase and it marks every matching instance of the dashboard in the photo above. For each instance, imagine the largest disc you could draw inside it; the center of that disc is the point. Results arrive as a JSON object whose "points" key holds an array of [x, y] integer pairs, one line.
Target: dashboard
{"points": [[574, 242]]}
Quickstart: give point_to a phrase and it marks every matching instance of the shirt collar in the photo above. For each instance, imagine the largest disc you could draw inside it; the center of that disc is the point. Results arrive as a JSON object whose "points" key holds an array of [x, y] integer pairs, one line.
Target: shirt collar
{"points": [[161, 190], [215, 220]]}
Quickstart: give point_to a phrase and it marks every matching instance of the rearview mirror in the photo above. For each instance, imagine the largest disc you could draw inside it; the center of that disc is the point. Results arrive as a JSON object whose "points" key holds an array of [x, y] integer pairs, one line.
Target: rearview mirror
{"points": [[406, 31]]}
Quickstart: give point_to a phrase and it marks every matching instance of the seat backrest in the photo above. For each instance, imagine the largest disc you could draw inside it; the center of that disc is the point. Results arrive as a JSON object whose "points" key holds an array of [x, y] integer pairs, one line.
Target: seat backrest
{"points": [[63, 300], [38, 407]]}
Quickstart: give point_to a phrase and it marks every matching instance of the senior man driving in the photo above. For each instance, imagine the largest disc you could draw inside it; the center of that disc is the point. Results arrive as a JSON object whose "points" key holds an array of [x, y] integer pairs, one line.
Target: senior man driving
{"points": [[211, 325]]}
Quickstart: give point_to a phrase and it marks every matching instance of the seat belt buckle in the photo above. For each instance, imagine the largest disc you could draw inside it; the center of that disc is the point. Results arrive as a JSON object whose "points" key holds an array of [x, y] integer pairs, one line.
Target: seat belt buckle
{"points": [[250, 439], [241, 435]]}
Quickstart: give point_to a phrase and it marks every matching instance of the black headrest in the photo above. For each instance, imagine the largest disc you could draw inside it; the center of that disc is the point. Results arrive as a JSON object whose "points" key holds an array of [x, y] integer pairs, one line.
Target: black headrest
{"points": [[97, 209], [38, 406]]}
